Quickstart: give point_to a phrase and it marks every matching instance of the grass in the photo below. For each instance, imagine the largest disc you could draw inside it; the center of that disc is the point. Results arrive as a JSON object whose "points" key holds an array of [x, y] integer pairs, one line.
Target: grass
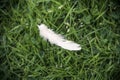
{"points": [[24, 55]]}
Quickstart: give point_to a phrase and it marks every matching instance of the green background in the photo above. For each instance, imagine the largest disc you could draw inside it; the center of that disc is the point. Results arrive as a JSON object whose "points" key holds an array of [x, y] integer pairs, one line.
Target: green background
{"points": [[94, 24]]}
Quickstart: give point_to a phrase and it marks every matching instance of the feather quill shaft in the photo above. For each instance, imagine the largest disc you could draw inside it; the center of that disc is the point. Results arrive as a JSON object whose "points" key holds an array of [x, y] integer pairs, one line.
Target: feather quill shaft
{"points": [[57, 39]]}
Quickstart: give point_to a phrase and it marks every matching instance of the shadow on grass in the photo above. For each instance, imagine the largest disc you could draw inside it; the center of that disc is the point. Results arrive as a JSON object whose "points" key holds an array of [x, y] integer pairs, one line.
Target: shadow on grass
{"points": [[115, 74]]}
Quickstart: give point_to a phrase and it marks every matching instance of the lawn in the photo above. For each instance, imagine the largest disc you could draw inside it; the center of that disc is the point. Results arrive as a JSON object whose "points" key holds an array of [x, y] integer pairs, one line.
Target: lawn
{"points": [[94, 24]]}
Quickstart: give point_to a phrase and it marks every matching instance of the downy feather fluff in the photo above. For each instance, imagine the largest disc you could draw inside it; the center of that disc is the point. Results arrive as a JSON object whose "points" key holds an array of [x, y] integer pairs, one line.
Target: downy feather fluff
{"points": [[57, 39]]}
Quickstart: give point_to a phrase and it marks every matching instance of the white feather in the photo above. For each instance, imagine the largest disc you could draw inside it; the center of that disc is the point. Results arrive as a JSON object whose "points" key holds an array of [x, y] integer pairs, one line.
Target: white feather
{"points": [[57, 39]]}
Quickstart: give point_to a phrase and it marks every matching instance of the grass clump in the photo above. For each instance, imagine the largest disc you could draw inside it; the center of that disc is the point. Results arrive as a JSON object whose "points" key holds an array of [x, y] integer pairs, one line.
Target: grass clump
{"points": [[25, 55]]}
